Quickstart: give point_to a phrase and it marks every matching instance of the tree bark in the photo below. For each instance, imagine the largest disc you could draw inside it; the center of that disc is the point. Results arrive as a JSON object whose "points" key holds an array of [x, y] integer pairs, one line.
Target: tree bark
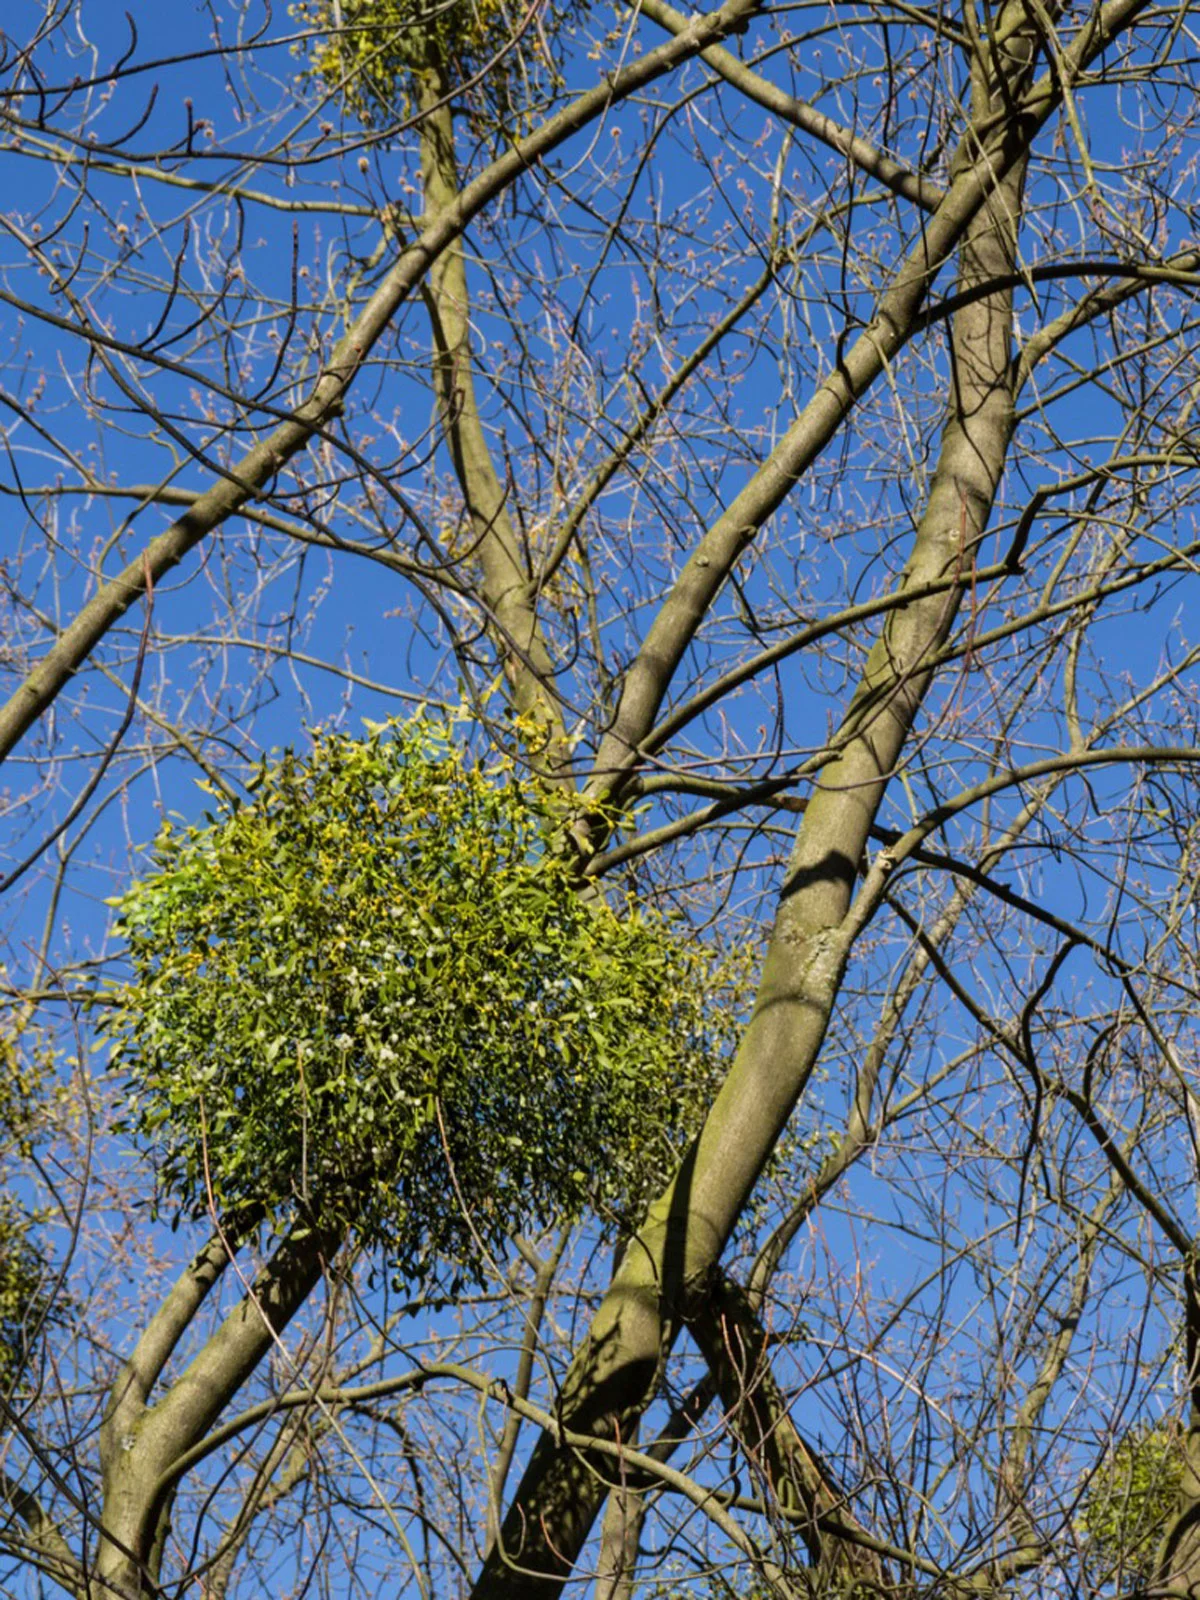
{"points": [[507, 580], [140, 1442], [670, 1266], [799, 1485]]}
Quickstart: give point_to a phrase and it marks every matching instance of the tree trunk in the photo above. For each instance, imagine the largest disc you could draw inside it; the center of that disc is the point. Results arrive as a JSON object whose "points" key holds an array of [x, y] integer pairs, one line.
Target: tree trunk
{"points": [[670, 1267]]}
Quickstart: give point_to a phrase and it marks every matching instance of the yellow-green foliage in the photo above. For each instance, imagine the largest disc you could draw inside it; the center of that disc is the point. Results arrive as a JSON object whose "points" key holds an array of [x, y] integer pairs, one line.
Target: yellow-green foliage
{"points": [[366, 52], [25, 1282], [1131, 1498], [373, 996], [28, 1301]]}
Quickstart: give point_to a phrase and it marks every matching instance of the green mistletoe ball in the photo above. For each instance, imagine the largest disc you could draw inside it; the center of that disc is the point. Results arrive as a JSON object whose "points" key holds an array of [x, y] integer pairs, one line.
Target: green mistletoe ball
{"points": [[372, 997]]}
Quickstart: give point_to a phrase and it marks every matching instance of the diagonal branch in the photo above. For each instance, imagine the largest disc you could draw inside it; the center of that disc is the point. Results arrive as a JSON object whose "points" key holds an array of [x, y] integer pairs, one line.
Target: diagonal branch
{"points": [[861, 152], [990, 153], [508, 590], [45, 1547], [671, 1263], [253, 474], [734, 1345]]}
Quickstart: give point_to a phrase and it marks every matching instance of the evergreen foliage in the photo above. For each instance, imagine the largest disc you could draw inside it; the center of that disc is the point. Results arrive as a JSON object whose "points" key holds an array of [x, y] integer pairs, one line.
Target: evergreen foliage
{"points": [[1131, 1501], [31, 1300], [372, 997], [366, 53], [25, 1278]]}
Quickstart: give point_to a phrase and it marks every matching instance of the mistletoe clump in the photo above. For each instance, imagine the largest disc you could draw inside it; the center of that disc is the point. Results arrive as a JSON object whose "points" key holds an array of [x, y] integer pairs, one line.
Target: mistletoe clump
{"points": [[369, 53], [372, 997], [1132, 1498], [32, 1297], [27, 1303]]}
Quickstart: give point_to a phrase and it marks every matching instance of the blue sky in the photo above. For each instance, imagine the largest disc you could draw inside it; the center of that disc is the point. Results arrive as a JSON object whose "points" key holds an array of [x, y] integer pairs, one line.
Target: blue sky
{"points": [[840, 537]]}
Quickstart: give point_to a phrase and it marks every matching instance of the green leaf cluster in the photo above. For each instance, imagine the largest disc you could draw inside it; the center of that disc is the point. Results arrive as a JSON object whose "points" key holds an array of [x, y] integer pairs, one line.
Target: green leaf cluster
{"points": [[31, 1300], [372, 997], [367, 53], [1132, 1497], [25, 1283]]}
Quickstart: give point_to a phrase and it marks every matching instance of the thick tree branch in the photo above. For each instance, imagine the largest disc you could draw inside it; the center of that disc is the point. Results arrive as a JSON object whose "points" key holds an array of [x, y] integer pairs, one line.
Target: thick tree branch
{"points": [[669, 1266], [141, 1444], [734, 1345], [508, 592], [799, 114], [993, 148], [45, 1547], [254, 472]]}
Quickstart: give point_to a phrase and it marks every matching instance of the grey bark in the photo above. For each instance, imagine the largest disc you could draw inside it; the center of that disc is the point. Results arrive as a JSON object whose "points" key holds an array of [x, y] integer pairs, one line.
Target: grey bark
{"points": [[669, 1268]]}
